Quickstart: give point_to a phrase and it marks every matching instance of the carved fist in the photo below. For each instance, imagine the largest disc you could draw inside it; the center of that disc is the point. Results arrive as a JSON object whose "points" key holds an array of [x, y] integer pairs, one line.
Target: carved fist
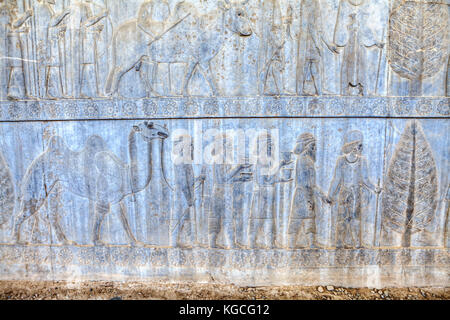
{"points": [[201, 177], [333, 47], [284, 163], [244, 166], [380, 45]]}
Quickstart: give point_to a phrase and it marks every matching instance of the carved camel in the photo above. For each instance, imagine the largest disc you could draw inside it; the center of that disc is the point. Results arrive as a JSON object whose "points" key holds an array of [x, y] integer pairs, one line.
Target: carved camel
{"points": [[94, 173]]}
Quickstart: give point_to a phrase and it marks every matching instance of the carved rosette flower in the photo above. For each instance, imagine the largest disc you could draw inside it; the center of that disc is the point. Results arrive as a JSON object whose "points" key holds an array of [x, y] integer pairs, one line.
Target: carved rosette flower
{"points": [[120, 256], [295, 107], [315, 107], [34, 110], [139, 257], [336, 107], [232, 107], [71, 110], [211, 107], [252, 107], [159, 257], [130, 109], [14, 111], [91, 110], [86, 256], [150, 108], [424, 107], [376, 107], [169, 107], [275, 107], [11, 255], [111, 109], [190, 108], [54, 110], [65, 256], [443, 107], [401, 106], [356, 107]]}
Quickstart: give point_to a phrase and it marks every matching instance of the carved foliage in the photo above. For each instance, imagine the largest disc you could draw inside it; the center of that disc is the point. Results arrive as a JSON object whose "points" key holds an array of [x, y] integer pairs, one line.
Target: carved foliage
{"points": [[6, 192], [411, 185], [418, 39]]}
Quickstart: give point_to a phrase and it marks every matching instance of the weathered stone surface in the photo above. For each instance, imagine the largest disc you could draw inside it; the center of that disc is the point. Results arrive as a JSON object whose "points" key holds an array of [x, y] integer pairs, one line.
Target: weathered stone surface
{"points": [[255, 143]]}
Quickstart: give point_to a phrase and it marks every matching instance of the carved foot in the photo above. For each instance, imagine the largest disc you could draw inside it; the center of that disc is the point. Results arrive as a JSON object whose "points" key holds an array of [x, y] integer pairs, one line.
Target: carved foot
{"points": [[70, 243], [184, 246], [22, 242], [137, 244], [99, 243]]}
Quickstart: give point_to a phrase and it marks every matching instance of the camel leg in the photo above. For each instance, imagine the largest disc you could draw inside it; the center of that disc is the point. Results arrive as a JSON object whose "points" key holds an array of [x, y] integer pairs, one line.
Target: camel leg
{"points": [[54, 216], [30, 208], [126, 225], [187, 79], [101, 210]]}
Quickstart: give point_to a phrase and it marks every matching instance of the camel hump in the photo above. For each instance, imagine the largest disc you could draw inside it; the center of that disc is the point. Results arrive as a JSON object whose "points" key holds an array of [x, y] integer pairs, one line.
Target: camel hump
{"points": [[95, 144]]}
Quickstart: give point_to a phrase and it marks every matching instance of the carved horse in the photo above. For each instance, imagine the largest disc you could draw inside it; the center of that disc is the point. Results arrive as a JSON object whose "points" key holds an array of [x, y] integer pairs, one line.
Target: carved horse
{"points": [[94, 173], [180, 43]]}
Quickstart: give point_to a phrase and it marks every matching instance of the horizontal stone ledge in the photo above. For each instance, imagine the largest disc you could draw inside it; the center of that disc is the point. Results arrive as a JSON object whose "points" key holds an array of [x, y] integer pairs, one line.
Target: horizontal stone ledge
{"points": [[117, 257], [230, 107]]}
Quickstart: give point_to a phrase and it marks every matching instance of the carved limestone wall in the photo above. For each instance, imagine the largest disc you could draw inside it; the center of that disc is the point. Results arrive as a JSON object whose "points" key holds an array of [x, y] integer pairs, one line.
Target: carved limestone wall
{"points": [[249, 142]]}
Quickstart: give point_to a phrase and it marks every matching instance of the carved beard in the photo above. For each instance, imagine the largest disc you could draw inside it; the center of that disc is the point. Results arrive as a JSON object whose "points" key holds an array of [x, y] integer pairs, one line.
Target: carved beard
{"points": [[356, 2]]}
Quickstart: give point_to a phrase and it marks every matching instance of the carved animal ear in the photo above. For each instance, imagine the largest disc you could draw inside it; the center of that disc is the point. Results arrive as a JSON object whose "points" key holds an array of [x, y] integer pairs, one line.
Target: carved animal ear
{"points": [[224, 5]]}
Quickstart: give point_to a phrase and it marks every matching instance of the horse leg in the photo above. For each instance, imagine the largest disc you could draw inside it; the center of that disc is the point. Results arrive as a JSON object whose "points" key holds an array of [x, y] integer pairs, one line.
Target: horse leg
{"points": [[114, 77], [110, 80], [126, 225], [145, 74], [189, 73], [206, 69]]}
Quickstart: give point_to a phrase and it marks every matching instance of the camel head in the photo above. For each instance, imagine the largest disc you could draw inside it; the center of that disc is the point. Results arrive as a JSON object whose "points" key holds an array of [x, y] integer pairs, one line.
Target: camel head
{"points": [[151, 131]]}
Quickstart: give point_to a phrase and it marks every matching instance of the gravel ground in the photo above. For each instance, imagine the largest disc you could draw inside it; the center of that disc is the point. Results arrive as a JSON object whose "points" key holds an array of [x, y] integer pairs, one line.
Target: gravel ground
{"points": [[93, 290]]}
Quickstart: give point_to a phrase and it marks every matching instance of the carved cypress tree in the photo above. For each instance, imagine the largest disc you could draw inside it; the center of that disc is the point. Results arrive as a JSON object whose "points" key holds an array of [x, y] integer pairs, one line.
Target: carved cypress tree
{"points": [[418, 46], [411, 186]]}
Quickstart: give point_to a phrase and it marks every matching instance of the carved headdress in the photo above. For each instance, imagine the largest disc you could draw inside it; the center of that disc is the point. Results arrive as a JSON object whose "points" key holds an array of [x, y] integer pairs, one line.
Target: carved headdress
{"points": [[303, 141], [350, 139]]}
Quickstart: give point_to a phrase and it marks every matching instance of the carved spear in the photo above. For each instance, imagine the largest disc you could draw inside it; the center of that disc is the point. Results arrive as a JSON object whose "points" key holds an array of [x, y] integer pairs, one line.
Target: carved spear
{"points": [[379, 62]]}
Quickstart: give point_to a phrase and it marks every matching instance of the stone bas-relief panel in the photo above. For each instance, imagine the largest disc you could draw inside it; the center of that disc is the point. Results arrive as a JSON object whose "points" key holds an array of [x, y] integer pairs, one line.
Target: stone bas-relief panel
{"points": [[228, 196], [251, 142], [149, 48]]}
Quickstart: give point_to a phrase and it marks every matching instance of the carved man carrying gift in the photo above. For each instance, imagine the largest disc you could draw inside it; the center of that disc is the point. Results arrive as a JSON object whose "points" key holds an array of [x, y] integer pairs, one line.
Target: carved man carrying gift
{"points": [[349, 186], [302, 219]]}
